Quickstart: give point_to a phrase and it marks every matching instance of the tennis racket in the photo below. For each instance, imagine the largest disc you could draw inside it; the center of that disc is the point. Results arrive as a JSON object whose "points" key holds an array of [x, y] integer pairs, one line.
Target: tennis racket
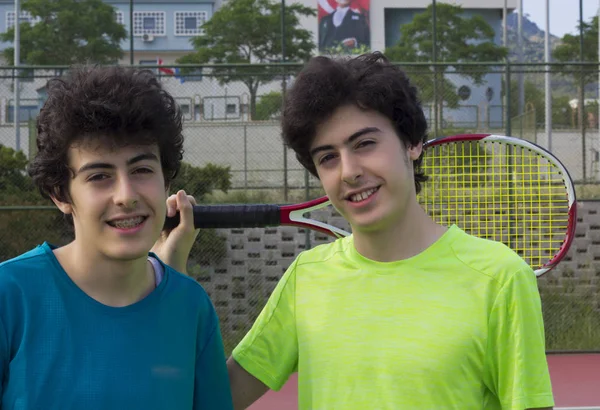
{"points": [[494, 187]]}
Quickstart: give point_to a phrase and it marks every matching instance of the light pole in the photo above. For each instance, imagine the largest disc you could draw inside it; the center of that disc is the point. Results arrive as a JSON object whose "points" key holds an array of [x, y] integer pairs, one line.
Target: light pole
{"points": [[131, 61], [582, 94], [283, 87], [548, 79], [521, 104], [17, 59], [435, 71]]}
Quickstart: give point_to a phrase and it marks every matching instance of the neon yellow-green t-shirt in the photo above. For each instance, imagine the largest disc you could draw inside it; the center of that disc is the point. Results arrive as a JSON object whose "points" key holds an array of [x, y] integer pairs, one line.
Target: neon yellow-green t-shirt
{"points": [[458, 326]]}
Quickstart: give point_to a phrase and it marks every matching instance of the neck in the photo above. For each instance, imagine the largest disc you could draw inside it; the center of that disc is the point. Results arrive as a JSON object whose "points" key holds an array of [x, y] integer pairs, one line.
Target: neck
{"points": [[403, 239], [111, 282]]}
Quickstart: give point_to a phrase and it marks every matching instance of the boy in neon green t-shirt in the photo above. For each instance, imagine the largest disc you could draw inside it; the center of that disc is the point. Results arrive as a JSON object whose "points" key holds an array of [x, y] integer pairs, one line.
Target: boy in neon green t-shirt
{"points": [[405, 313]]}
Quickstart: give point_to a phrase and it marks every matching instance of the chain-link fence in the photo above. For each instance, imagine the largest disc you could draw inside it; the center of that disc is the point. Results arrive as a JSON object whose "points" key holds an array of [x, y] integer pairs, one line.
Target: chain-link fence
{"points": [[234, 154]]}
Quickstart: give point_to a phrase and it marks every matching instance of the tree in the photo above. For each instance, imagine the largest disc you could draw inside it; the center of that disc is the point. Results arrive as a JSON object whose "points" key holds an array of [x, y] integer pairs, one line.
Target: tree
{"points": [[268, 106], [68, 32], [249, 31], [562, 112], [12, 170], [458, 40], [570, 51], [202, 181], [21, 229]]}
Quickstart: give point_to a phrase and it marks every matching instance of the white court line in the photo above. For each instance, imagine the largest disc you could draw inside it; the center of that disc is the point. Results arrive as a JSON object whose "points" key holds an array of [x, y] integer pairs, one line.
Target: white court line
{"points": [[577, 408]]}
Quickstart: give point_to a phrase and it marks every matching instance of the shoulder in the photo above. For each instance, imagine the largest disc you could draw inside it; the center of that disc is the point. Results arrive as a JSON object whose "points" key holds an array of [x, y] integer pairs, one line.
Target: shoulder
{"points": [[186, 289], [329, 252], [490, 258], [22, 267], [28, 258]]}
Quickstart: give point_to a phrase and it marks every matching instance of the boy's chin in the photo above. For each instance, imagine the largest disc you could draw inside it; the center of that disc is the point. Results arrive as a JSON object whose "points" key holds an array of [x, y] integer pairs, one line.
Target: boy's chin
{"points": [[127, 253]]}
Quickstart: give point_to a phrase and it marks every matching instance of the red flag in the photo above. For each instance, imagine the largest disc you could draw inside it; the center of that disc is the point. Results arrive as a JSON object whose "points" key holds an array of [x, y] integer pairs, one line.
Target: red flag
{"points": [[166, 70]]}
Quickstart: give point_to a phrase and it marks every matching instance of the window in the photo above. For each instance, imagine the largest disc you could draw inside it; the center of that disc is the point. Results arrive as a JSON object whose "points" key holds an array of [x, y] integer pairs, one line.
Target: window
{"points": [[119, 17], [231, 109], [149, 22], [464, 92], [26, 112], [189, 23], [26, 17]]}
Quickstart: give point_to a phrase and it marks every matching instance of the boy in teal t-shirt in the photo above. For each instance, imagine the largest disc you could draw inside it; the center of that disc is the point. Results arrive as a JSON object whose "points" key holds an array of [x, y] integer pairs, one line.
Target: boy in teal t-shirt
{"points": [[405, 313], [102, 323]]}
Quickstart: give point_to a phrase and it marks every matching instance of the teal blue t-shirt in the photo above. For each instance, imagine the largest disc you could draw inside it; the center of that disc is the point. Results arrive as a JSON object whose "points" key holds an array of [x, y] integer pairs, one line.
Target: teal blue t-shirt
{"points": [[61, 349]]}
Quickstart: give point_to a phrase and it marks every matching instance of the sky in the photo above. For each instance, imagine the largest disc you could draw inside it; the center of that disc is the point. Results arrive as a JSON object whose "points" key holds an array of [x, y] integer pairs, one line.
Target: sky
{"points": [[564, 14]]}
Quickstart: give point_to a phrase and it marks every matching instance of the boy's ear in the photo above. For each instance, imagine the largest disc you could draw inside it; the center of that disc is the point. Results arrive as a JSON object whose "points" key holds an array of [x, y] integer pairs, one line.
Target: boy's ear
{"points": [[65, 207], [414, 151]]}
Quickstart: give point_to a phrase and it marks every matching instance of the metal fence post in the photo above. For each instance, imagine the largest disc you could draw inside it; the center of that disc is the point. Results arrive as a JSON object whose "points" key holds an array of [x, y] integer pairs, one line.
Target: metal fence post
{"points": [[245, 157], [508, 100]]}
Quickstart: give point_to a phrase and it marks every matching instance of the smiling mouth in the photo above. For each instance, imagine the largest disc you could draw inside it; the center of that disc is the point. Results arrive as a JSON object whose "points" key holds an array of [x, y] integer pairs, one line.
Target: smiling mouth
{"points": [[128, 223], [362, 195]]}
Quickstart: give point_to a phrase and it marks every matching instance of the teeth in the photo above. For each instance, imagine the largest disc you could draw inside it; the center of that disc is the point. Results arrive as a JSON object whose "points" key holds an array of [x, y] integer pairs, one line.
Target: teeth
{"points": [[363, 195], [127, 223]]}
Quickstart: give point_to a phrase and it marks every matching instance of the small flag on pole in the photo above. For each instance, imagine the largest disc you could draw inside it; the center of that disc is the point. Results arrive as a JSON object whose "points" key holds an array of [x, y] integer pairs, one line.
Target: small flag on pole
{"points": [[170, 71]]}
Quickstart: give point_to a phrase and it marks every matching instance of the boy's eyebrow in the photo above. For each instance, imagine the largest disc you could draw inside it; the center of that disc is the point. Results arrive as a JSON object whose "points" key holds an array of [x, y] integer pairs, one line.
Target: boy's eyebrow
{"points": [[104, 165], [359, 133]]}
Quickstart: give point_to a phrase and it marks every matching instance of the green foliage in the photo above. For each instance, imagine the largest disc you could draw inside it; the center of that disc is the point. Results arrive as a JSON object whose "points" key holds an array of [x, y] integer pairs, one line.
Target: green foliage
{"points": [[340, 49], [12, 172], [69, 32], [268, 106], [570, 51], [423, 79], [562, 113], [459, 39], [571, 320], [249, 31], [201, 181], [209, 247], [22, 229]]}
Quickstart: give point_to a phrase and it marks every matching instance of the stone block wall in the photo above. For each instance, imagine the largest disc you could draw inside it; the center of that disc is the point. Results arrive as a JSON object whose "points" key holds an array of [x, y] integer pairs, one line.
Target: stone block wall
{"points": [[579, 271]]}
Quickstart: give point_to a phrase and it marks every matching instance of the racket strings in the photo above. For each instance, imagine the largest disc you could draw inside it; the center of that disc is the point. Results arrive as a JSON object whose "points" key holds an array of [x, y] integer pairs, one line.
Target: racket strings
{"points": [[501, 192]]}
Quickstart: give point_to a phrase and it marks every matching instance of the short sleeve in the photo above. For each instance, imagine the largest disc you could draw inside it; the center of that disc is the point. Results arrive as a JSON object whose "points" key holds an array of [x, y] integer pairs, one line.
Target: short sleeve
{"points": [[269, 351], [4, 358], [516, 366]]}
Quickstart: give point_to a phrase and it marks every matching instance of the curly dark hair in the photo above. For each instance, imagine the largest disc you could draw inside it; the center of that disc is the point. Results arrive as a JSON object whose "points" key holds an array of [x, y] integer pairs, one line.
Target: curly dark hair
{"points": [[116, 106], [370, 82]]}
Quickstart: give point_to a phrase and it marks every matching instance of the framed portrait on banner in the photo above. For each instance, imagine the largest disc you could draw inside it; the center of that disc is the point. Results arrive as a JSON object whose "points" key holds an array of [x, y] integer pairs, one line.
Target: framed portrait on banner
{"points": [[344, 26]]}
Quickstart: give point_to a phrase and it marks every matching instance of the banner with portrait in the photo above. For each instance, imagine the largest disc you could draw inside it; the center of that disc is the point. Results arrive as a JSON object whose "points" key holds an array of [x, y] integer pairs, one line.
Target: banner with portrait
{"points": [[344, 26]]}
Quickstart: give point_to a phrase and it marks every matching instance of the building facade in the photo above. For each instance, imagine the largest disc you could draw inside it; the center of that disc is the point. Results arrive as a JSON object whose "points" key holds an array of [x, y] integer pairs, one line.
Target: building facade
{"points": [[162, 31], [480, 105]]}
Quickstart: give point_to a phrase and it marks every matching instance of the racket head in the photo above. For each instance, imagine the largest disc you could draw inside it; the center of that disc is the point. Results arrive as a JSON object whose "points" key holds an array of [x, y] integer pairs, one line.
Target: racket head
{"points": [[294, 215], [505, 189]]}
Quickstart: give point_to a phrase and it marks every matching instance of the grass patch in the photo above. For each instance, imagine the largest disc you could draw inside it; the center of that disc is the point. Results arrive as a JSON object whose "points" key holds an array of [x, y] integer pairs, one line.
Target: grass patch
{"points": [[571, 318]]}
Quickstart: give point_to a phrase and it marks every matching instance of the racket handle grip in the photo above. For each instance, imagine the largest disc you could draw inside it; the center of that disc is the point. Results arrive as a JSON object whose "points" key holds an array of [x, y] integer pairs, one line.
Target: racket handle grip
{"points": [[231, 216]]}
